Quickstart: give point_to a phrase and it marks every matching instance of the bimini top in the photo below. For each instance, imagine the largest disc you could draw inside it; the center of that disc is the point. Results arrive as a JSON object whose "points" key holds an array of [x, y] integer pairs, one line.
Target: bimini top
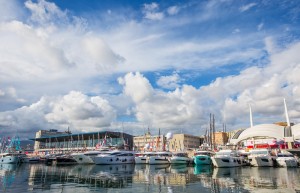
{"points": [[268, 131]]}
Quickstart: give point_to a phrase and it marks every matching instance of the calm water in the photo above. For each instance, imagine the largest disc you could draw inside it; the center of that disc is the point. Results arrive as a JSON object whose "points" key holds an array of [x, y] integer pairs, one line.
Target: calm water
{"points": [[144, 178]]}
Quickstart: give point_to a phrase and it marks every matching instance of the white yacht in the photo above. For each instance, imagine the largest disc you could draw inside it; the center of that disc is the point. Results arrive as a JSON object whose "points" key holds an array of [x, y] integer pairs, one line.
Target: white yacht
{"points": [[203, 157], [179, 158], [227, 158], [142, 158], [9, 158], [159, 158], [261, 158], [115, 157], [88, 156], [286, 159]]}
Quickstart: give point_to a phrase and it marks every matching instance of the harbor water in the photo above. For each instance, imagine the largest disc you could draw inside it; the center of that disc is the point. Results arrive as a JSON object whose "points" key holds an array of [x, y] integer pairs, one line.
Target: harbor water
{"points": [[34, 178]]}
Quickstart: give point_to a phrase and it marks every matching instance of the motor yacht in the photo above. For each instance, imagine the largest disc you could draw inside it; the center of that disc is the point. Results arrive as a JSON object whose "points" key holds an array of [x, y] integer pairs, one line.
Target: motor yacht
{"points": [[286, 159], [261, 158], [227, 158], [142, 158], [179, 158], [159, 158], [9, 158], [203, 157], [87, 157], [115, 157]]}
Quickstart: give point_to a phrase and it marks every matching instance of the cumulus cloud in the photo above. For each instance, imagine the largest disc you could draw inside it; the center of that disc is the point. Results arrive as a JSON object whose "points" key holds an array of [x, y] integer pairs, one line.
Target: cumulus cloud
{"points": [[159, 109], [136, 86], [51, 51], [228, 97], [169, 82], [51, 46], [75, 110]]}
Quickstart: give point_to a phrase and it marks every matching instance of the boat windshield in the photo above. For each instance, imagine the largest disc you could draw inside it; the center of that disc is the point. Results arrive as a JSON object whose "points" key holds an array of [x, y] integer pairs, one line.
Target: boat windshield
{"points": [[227, 153], [285, 155], [202, 153], [181, 154]]}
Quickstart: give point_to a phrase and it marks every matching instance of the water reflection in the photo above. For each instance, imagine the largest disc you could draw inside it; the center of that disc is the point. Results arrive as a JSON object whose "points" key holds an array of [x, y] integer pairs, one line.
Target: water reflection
{"points": [[203, 170], [180, 168], [146, 178], [7, 175]]}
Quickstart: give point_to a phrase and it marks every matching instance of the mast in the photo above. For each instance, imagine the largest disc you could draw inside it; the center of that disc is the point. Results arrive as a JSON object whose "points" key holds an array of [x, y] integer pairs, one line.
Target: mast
{"points": [[210, 131], [214, 132], [286, 113], [251, 120]]}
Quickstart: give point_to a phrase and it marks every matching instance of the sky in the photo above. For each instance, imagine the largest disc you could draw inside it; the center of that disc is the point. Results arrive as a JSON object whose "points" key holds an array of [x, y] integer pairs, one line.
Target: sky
{"points": [[133, 65]]}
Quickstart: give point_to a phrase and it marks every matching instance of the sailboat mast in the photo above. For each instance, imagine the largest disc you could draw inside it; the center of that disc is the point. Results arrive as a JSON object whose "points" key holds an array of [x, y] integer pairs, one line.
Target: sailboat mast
{"points": [[286, 113], [251, 120]]}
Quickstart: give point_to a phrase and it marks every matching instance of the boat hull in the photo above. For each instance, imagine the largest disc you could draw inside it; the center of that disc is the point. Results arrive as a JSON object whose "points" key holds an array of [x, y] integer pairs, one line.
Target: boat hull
{"points": [[153, 160], [82, 159], [179, 160], [110, 160], [9, 160], [261, 161], [227, 162], [202, 160], [140, 160], [286, 162]]}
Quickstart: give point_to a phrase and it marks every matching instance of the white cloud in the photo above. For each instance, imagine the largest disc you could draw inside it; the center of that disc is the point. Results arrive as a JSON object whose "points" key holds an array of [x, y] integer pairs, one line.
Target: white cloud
{"points": [[247, 7], [79, 111], [32, 56], [159, 109], [173, 10], [44, 12], [270, 46], [10, 10], [169, 82], [136, 86], [151, 7], [228, 98], [151, 12], [51, 52]]}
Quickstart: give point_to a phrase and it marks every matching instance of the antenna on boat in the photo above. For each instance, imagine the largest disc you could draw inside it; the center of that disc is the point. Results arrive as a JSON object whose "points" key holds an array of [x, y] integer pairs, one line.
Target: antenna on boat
{"points": [[251, 120], [286, 113]]}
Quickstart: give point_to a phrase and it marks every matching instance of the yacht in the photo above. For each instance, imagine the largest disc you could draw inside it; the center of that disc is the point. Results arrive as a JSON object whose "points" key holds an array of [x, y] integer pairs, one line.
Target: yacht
{"points": [[87, 157], [286, 159], [179, 158], [31, 159], [159, 158], [9, 158], [115, 157], [203, 157], [142, 158], [261, 158], [227, 158], [65, 160]]}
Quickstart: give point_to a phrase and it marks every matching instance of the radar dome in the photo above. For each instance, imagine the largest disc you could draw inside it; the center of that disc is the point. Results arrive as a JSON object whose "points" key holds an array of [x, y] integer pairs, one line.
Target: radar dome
{"points": [[147, 146], [169, 136]]}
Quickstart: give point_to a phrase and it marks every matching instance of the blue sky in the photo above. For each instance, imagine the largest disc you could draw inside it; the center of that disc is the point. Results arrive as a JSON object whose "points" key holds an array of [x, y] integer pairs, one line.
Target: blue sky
{"points": [[109, 65]]}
